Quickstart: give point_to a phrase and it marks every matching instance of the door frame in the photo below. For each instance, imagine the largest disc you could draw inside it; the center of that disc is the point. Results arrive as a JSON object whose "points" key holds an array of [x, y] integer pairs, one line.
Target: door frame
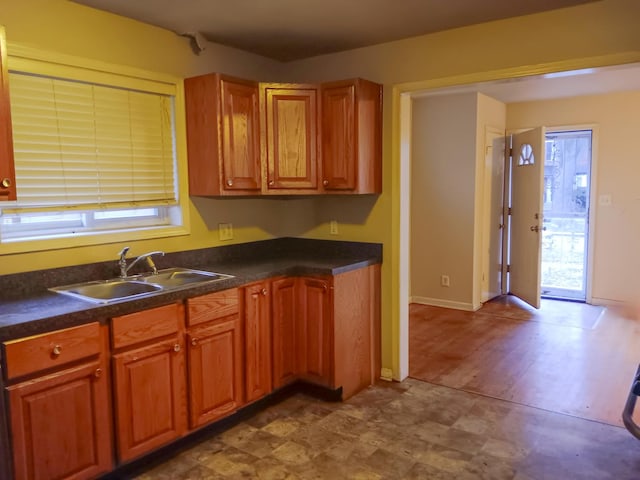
{"points": [[399, 271], [488, 223], [593, 204]]}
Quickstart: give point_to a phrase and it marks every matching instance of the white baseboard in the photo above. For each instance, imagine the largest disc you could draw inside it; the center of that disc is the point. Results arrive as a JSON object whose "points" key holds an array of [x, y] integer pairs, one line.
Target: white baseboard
{"points": [[608, 302], [438, 302]]}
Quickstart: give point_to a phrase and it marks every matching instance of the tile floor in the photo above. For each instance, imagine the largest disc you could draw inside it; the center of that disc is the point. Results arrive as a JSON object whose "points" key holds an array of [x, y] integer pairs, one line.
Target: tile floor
{"points": [[411, 430]]}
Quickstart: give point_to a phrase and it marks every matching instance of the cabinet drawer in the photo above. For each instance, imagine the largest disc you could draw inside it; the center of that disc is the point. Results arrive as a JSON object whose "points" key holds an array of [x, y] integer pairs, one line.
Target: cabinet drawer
{"points": [[42, 352], [146, 325], [212, 306]]}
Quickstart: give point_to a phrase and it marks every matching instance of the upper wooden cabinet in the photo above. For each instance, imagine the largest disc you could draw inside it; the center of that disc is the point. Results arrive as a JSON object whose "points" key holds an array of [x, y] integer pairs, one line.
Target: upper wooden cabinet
{"points": [[352, 137], [223, 136], [297, 139], [7, 172], [289, 138]]}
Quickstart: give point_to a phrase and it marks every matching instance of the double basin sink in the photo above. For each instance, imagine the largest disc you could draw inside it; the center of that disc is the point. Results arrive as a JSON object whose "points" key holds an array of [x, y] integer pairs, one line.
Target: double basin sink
{"points": [[107, 291]]}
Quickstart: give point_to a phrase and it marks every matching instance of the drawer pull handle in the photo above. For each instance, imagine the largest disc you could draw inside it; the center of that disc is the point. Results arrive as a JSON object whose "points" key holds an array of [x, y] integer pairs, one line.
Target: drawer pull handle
{"points": [[98, 373], [6, 183], [57, 350], [325, 183], [264, 292], [194, 342], [176, 347], [230, 183]]}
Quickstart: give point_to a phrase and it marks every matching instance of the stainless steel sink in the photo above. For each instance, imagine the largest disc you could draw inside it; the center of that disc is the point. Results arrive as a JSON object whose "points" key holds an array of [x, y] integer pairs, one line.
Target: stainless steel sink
{"points": [[103, 291], [106, 291], [177, 277]]}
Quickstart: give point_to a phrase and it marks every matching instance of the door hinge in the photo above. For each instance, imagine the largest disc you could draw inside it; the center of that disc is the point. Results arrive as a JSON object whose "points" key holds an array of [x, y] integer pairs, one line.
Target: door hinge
{"points": [[508, 268], [511, 152], [509, 211]]}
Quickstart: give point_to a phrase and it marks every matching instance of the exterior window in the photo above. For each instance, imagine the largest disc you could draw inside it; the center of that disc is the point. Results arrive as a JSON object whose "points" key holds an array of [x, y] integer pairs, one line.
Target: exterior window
{"points": [[90, 158]]}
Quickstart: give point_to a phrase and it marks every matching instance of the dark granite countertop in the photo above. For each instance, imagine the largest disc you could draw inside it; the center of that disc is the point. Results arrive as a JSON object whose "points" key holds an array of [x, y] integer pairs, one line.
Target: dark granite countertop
{"points": [[28, 308]]}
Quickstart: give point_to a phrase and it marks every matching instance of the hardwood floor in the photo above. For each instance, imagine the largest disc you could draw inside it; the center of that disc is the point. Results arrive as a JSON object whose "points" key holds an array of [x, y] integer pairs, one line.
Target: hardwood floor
{"points": [[567, 357]]}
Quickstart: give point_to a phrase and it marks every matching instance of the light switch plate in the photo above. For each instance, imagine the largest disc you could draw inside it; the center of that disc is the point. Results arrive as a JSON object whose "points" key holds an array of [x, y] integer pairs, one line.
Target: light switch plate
{"points": [[605, 200]]}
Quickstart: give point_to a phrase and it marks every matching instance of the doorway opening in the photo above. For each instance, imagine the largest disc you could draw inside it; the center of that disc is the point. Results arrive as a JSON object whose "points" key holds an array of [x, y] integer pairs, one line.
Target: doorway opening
{"points": [[565, 236]]}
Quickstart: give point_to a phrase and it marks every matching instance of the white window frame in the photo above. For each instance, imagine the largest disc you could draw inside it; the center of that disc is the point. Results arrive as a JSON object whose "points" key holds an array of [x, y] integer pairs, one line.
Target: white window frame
{"points": [[175, 219]]}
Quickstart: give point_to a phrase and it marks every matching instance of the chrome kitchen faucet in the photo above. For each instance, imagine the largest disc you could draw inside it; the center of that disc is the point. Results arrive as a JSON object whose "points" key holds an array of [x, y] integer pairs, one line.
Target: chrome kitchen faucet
{"points": [[124, 268]]}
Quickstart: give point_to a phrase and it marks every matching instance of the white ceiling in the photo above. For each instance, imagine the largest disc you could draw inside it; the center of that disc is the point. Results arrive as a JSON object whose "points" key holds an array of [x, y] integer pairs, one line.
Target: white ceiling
{"points": [[560, 85], [294, 29]]}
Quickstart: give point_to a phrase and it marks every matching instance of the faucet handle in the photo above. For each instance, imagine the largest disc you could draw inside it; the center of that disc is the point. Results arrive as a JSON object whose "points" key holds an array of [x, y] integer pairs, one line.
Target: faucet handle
{"points": [[123, 252]]}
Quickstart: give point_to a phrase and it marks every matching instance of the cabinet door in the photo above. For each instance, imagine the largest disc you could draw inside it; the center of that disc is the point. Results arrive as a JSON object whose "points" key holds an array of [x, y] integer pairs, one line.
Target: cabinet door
{"points": [[352, 136], [314, 338], [291, 136], [338, 138], [284, 322], [150, 397], [257, 335], [7, 173], [61, 426], [240, 137], [215, 370]]}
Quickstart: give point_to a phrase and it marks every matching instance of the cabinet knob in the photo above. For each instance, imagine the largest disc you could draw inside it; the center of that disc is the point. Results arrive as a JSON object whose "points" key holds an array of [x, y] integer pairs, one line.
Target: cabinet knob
{"points": [[325, 183], [57, 350], [325, 288], [5, 183], [271, 183], [97, 373], [264, 292], [230, 182], [194, 342], [176, 347]]}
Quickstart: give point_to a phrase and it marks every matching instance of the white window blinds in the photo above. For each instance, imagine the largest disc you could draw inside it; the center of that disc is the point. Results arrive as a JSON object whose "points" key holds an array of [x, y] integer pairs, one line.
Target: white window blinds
{"points": [[86, 145]]}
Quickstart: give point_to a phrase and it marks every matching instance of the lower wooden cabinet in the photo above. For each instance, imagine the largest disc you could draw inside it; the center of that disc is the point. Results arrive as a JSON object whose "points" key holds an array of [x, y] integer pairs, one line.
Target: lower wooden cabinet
{"points": [[61, 420], [171, 371], [215, 370], [257, 335], [356, 329], [326, 330], [314, 330], [284, 298], [149, 380]]}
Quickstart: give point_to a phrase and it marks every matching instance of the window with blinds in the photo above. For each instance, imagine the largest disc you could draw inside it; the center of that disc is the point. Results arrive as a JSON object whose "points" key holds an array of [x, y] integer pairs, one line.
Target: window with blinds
{"points": [[88, 157]]}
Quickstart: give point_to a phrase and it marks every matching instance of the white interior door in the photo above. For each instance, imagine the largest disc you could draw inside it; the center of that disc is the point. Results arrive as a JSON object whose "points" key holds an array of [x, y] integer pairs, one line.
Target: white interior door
{"points": [[493, 214], [527, 180]]}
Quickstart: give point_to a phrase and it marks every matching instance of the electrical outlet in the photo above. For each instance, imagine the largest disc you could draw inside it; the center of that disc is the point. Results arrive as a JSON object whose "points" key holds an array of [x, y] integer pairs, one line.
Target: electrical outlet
{"points": [[444, 281], [225, 231], [333, 227]]}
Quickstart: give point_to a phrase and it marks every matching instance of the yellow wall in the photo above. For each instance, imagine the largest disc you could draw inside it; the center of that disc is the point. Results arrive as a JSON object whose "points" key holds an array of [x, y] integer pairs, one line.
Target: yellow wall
{"points": [[63, 27], [601, 28], [617, 172]]}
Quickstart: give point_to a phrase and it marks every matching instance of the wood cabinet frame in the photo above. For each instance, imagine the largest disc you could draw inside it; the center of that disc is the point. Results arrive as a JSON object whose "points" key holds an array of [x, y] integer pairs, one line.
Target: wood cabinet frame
{"points": [[7, 168]]}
